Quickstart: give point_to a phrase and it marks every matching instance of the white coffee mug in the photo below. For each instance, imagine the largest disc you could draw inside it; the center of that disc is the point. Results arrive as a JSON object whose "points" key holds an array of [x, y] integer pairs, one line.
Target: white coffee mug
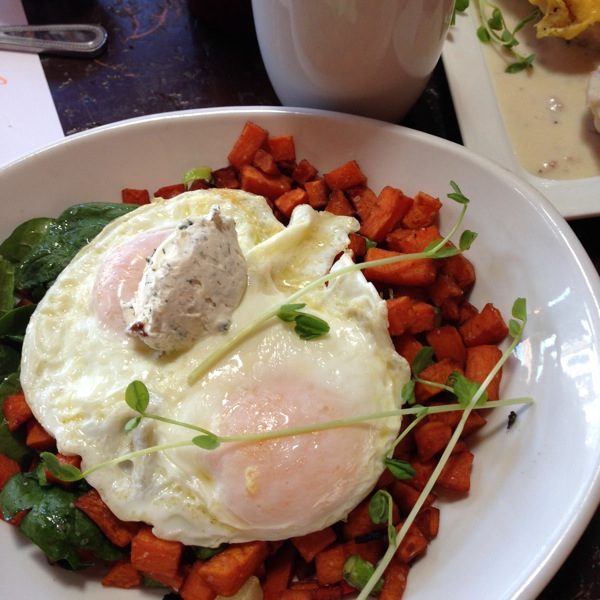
{"points": [[367, 57]]}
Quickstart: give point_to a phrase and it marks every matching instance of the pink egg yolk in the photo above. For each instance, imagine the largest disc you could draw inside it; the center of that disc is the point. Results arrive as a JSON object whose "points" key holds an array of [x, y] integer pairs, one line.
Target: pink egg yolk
{"points": [[120, 274], [289, 481]]}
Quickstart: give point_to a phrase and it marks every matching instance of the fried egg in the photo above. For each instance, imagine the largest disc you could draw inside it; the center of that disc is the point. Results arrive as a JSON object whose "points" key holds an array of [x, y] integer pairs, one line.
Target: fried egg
{"points": [[78, 360]]}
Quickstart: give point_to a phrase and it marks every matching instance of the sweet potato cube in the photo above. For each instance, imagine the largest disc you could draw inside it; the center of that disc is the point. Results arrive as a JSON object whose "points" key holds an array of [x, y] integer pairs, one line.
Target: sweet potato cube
{"points": [[265, 162], [394, 581], [304, 171], [412, 240], [311, 544], [420, 272], [357, 245], [118, 532], [269, 186], [438, 372], [408, 346], [406, 315], [135, 196], [456, 474], [122, 575], [460, 269], [363, 198], [288, 201], [296, 595], [169, 191], [316, 191], [428, 521], [227, 571], [249, 141], [431, 438], [474, 421], [339, 205], [16, 411], [345, 176], [480, 361], [226, 177], [423, 212], [390, 207], [413, 545], [444, 288], [279, 572], [194, 587], [37, 437], [282, 147], [487, 327], [158, 558], [406, 496], [447, 343]]}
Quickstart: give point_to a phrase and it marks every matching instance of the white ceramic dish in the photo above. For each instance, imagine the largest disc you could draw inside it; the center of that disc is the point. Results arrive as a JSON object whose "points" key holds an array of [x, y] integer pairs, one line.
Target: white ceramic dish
{"points": [[536, 486], [482, 127]]}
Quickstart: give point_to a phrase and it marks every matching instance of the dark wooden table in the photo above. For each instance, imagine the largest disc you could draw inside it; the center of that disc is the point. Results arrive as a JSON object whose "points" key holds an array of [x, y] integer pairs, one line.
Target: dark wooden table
{"points": [[166, 55]]}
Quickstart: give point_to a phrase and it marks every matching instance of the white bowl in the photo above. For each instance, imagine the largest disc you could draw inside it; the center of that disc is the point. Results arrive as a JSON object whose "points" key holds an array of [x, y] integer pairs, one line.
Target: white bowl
{"points": [[535, 486]]}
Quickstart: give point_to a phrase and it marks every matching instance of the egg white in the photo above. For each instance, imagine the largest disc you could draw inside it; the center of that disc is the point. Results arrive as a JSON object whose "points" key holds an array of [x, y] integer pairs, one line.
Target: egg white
{"points": [[77, 363]]}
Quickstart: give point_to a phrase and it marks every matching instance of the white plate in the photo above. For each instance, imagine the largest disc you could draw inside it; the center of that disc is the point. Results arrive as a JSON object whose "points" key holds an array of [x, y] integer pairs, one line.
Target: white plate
{"points": [[536, 486], [482, 127]]}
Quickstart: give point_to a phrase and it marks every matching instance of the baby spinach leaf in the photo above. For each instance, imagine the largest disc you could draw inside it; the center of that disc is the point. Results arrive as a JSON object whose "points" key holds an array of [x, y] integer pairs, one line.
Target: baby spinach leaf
{"points": [[54, 524], [14, 322], [24, 239], [10, 359], [63, 238]]}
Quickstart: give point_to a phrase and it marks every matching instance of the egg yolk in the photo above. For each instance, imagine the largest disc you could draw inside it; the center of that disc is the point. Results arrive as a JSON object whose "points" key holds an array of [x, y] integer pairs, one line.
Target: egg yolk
{"points": [[289, 480], [119, 276]]}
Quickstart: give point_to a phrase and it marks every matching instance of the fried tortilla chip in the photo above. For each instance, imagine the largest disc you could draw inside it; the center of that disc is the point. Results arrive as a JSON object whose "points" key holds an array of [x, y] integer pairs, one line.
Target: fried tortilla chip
{"points": [[566, 18]]}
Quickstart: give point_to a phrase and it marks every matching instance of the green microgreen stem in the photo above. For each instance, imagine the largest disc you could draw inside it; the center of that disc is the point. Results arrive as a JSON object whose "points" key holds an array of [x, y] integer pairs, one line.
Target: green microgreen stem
{"points": [[516, 327], [175, 422], [129, 456], [493, 29], [338, 423], [435, 250]]}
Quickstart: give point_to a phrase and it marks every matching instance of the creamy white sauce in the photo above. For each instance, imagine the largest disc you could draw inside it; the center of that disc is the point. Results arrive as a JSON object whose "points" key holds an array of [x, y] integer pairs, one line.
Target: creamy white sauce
{"points": [[544, 108], [191, 285]]}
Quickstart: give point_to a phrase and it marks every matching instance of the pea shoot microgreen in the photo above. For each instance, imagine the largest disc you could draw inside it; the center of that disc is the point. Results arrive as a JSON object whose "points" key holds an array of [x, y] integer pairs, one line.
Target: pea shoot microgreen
{"points": [[358, 572], [494, 30], [460, 6], [400, 469], [308, 327], [197, 173]]}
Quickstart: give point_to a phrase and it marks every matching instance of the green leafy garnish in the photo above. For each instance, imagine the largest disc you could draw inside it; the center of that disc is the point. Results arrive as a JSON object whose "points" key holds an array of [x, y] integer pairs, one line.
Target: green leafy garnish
{"points": [[206, 441], [464, 389], [358, 572], [308, 327], [494, 30], [64, 472], [137, 396], [423, 359], [460, 6], [400, 469], [197, 173]]}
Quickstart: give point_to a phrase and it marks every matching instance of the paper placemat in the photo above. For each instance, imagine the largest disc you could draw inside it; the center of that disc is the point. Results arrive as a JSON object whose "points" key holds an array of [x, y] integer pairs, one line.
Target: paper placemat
{"points": [[28, 117]]}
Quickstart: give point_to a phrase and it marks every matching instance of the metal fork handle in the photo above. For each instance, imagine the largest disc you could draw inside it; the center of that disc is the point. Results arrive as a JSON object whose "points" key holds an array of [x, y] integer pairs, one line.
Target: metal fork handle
{"points": [[72, 40]]}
